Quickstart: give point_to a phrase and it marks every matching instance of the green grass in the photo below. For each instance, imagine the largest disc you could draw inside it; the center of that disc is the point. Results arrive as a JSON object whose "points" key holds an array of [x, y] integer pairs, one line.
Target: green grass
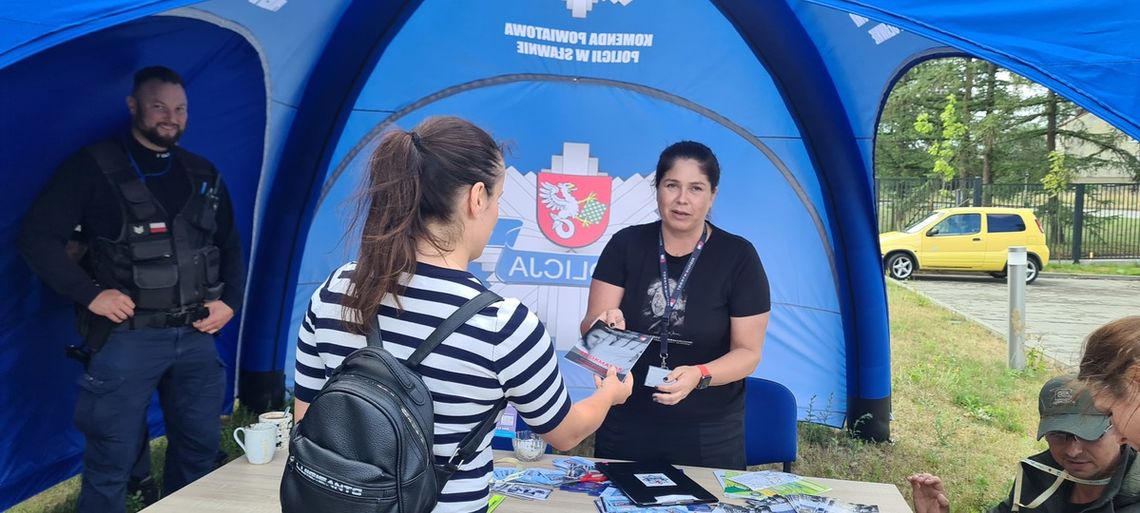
{"points": [[958, 413], [62, 497], [1131, 269]]}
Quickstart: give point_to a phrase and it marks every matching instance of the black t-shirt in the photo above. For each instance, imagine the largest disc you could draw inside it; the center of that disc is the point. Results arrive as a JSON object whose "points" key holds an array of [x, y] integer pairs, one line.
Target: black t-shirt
{"points": [[728, 280]]}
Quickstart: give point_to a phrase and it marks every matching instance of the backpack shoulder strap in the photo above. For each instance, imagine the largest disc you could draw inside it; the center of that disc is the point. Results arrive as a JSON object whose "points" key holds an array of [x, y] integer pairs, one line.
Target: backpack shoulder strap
{"points": [[449, 325], [469, 447], [373, 336]]}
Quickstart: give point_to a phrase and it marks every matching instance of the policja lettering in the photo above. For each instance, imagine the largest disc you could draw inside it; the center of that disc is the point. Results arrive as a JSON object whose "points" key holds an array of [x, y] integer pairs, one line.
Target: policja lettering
{"points": [[532, 267]]}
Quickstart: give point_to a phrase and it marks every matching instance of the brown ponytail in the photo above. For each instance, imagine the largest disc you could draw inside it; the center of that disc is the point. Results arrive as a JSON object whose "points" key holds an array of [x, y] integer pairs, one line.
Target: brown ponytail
{"points": [[414, 180], [1111, 356]]}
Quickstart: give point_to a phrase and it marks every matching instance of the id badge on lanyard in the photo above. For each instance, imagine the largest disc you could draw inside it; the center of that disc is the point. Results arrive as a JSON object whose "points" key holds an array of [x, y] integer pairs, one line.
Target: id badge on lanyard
{"points": [[672, 298]]}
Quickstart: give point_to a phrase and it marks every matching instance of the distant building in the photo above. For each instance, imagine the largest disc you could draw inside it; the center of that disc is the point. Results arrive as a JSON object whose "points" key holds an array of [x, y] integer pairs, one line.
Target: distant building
{"points": [[1114, 172]]}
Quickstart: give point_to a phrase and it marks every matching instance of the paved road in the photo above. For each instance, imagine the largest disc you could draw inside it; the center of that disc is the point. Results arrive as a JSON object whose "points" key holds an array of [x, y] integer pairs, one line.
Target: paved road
{"points": [[1061, 312]]}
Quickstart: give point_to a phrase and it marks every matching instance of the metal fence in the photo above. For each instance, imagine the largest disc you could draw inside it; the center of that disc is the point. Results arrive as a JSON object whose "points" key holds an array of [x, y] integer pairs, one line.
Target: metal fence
{"points": [[1086, 221]]}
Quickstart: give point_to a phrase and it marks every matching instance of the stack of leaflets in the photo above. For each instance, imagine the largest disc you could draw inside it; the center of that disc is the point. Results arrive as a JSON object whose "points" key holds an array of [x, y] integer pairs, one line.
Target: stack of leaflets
{"points": [[589, 488], [765, 483], [573, 474], [533, 476], [530, 484], [523, 491], [580, 476], [570, 469], [796, 503], [571, 464], [613, 501]]}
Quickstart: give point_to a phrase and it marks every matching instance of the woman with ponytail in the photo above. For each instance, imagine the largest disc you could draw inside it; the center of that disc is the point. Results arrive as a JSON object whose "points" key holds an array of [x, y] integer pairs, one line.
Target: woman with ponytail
{"points": [[427, 209]]}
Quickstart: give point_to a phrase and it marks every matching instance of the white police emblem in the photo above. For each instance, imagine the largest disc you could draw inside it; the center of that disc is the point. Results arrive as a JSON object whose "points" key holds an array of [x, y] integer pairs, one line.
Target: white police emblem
{"points": [[579, 8]]}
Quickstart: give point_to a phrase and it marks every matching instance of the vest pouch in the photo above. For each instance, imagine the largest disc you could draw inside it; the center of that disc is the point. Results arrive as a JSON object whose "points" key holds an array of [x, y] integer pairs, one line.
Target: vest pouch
{"points": [[155, 285], [139, 201], [111, 264], [151, 249], [212, 259], [204, 217]]}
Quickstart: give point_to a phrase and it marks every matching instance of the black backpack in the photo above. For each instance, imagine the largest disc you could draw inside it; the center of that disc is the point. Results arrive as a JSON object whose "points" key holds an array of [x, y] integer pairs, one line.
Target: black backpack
{"points": [[365, 443]]}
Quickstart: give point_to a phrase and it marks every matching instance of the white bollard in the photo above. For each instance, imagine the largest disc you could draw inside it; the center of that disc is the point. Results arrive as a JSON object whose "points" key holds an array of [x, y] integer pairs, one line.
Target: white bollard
{"points": [[1015, 273]]}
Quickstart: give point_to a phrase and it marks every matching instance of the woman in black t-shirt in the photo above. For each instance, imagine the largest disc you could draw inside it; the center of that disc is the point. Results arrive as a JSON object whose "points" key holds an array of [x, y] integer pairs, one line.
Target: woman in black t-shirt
{"points": [[715, 324]]}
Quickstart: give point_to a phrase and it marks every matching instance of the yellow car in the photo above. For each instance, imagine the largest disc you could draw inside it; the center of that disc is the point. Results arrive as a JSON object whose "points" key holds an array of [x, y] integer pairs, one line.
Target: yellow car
{"points": [[965, 239]]}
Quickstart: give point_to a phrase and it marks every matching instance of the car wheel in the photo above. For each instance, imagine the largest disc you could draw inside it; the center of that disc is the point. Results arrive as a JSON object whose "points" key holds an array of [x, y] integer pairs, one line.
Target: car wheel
{"points": [[1032, 269], [900, 266]]}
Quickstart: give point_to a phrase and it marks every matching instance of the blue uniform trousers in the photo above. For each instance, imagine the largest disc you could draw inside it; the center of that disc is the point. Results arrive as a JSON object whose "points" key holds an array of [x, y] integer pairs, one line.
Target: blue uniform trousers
{"points": [[183, 365]]}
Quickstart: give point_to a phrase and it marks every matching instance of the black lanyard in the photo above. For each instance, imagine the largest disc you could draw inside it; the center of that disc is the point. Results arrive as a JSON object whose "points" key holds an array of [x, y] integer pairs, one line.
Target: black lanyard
{"points": [[671, 299]]}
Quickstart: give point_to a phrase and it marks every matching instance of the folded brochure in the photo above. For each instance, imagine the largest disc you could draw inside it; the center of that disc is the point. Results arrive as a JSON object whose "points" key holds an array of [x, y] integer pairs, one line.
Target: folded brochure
{"points": [[603, 347]]}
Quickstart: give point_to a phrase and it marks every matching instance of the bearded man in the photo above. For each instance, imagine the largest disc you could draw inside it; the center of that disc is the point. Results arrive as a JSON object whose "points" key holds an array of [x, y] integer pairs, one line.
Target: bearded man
{"points": [[161, 273]]}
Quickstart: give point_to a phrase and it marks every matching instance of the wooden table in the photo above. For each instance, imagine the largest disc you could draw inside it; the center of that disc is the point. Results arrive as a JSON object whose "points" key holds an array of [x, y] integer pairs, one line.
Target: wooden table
{"points": [[242, 487]]}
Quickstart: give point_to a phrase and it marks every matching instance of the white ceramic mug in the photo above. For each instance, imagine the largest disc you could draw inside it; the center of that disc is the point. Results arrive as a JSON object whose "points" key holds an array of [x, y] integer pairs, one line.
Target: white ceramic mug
{"points": [[283, 421], [260, 442]]}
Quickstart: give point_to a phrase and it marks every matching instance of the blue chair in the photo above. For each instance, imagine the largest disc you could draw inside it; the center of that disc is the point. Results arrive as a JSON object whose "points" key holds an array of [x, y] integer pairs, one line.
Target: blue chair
{"points": [[769, 423]]}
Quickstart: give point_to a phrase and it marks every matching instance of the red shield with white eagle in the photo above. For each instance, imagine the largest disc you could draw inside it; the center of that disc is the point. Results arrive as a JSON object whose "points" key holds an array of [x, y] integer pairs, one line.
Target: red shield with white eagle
{"points": [[573, 210]]}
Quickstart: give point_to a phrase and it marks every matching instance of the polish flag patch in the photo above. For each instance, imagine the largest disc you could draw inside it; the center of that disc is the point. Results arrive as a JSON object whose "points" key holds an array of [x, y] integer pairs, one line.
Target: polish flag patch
{"points": [[157, 227]]}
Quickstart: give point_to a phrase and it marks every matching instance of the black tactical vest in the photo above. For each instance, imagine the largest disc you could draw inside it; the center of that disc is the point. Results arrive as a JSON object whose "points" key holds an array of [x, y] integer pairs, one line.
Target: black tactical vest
{"points": [[160, 266]]}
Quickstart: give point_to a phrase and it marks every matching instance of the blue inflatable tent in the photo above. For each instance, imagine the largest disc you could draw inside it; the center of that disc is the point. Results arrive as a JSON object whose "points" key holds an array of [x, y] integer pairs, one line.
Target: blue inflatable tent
{"points": [[288, 98]]}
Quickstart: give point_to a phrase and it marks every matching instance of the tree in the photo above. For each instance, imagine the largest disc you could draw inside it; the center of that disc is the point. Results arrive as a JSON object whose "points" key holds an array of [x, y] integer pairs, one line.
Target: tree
{"points": [[949, 139], [900, 150], [1009, 127]]}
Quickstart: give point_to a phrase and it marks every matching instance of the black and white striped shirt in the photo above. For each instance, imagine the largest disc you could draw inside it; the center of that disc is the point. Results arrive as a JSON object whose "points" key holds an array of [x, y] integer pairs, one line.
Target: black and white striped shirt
{"points": [[503, 351]]}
